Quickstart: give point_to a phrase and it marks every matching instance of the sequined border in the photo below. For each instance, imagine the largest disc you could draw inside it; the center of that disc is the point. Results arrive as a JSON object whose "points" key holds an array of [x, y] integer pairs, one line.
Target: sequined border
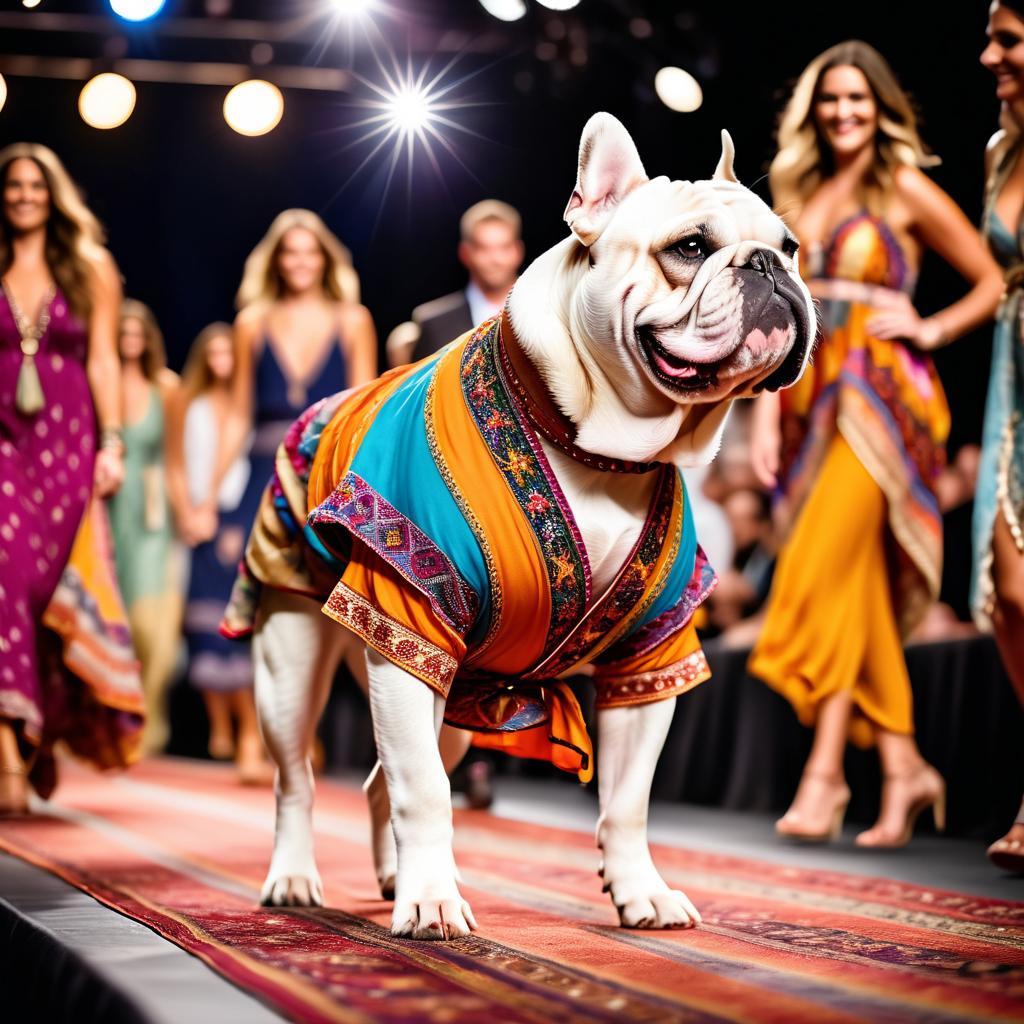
{"points": [[657, 631], [623, 598], [527, 475], [406, 649], [647, 687], [497, 593]]}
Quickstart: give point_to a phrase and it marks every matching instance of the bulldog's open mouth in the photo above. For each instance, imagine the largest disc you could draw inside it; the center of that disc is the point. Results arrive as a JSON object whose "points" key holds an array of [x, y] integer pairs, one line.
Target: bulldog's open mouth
{"points": [[683, 375]]}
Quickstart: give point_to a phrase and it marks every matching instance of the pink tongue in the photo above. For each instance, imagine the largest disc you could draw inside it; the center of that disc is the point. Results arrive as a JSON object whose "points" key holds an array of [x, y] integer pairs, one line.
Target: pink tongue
{"points": [[674, 370]]}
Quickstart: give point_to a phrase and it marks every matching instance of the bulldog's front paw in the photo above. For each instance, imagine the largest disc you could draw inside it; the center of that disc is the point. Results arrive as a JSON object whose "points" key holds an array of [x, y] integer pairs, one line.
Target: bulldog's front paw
{"points": [[428, 904], [644, 900], [293, 888]]}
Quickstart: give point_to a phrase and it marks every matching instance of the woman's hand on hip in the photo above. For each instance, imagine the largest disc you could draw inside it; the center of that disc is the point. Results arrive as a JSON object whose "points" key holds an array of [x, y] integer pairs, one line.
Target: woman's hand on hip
{"points": [[108, 472]]}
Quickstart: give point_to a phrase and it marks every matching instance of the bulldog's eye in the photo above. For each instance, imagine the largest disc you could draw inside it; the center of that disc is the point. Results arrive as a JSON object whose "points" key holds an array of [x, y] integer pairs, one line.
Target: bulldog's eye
{"points": [[790, 245], [693, 247]]}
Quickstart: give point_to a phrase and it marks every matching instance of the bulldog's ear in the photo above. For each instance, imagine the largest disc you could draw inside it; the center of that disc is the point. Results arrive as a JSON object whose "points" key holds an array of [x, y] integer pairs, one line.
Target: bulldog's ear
{"points": [[724, 171], [609, 170]]}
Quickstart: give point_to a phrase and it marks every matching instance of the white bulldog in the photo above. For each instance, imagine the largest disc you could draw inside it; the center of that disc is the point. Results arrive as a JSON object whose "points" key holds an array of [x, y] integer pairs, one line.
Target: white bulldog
{"points": [[668, 300]]}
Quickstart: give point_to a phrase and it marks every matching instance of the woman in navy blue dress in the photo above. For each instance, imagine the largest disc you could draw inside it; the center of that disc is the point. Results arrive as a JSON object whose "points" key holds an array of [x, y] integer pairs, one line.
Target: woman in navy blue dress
{"points": [[300, 335]]}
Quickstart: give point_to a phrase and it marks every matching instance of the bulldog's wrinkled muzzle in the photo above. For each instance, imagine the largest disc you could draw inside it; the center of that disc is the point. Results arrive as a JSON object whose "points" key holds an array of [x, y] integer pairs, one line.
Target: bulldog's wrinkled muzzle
{"points": [[774, 302]]}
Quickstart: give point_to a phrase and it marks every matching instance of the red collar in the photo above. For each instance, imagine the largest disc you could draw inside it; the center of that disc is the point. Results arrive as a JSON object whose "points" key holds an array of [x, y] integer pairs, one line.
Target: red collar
{"points": [[534, 399]]}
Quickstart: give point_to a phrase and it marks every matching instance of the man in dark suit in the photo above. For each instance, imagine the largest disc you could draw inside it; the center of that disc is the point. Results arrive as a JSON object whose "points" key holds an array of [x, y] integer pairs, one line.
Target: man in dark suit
{"points": [[491, 249]]}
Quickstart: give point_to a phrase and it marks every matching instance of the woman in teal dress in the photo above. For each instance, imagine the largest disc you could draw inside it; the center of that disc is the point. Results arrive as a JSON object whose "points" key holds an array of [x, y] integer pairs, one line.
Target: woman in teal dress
{"points": [[148, 561], [998, 587]]}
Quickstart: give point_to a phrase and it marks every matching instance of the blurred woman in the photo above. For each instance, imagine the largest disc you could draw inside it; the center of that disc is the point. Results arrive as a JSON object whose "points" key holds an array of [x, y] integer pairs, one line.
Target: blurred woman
{"points": [[998, 591], [300, 335], [67, 671], [220, 669], [148, 566], [855, 447]]}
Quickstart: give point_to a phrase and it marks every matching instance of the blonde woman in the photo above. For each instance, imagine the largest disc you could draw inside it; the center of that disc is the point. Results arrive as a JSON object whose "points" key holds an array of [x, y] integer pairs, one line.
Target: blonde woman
{"points": [[148, 566], [300, 335], [66, 665], [220, 669], [854, 448]]}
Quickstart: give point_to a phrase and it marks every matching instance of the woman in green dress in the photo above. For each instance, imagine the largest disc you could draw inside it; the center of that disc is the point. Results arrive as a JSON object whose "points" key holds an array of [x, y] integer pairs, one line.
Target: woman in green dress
{"points": [[148, 561]]}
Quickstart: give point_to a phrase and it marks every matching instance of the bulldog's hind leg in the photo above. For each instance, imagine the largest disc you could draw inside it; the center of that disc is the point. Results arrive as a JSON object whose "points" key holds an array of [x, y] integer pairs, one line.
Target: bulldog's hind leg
{"points": [[296, 650], [406, 722], [630, 740]]}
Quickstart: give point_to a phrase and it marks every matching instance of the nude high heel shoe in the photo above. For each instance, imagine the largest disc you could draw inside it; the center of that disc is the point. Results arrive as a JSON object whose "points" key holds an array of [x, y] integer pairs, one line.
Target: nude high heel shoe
{"points": [[792, 826], [933, 795]]}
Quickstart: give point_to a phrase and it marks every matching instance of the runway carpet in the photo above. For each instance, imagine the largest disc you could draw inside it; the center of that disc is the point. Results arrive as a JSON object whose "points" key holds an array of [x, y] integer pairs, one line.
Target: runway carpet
{"points": [[180, 847]]}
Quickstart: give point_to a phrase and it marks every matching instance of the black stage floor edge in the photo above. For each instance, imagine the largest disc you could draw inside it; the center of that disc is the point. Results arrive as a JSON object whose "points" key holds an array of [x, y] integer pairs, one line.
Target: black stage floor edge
{"points": [[735, 744]]}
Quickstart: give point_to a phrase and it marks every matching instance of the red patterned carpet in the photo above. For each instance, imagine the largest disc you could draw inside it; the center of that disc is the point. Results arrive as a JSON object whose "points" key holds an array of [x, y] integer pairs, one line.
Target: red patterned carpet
{"points": [[178, 846]]}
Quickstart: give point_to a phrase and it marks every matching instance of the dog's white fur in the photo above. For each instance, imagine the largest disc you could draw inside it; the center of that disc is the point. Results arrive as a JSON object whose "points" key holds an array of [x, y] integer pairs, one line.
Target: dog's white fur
{"points": [[576, 311]]}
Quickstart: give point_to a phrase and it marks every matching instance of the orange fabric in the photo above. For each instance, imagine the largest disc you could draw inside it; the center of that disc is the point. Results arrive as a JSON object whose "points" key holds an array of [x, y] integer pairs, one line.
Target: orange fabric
{"points": [[340, 438], [382, 587], [520, 596], [831, 624], [668, 652], [563, 739]]}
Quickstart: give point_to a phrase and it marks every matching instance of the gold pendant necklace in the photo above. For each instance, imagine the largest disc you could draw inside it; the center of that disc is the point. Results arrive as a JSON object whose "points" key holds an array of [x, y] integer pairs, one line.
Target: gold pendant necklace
{"points": [[29, 398]]}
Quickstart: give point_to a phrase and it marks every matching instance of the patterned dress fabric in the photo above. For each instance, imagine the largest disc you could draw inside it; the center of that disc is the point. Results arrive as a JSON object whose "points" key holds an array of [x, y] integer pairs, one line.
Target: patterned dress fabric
{"points": [[67, 668], [422, 509], [883, 397]]}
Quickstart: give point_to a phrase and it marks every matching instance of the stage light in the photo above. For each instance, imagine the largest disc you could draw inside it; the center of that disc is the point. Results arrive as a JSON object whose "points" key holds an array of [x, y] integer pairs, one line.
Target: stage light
{"points": [[136, 10], [558, 5], [504, 10], [353, 8], [106, 101], [30, 3], [409, 110], [678, 90], [3, 92], [253, 107]]}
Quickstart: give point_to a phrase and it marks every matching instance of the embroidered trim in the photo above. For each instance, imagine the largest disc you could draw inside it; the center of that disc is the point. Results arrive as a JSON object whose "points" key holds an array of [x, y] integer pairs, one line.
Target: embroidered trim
{"points": [[530, 480], [497, 594], [646, 687], [407, 650], [657, 631], [355, 505], [623, 599]]}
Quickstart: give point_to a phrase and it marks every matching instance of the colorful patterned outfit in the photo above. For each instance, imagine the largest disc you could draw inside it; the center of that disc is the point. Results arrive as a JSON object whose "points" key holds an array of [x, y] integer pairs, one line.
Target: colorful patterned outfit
{"points": [[854, 523], [460, 561], [1000, 488], [67, 669]]}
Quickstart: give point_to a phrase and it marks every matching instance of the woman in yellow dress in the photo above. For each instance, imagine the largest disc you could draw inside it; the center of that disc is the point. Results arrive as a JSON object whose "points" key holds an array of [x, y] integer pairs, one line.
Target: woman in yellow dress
{"points": [[854, 448]]}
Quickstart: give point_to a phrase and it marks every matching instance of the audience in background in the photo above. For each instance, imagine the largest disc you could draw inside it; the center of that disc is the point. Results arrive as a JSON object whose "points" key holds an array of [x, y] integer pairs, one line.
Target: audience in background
{"points": [[148, 566], [491, 250]]}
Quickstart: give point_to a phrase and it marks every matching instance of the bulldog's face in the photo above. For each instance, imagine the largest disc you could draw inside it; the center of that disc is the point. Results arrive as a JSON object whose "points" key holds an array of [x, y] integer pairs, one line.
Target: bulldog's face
{"points": [[692, 292]]}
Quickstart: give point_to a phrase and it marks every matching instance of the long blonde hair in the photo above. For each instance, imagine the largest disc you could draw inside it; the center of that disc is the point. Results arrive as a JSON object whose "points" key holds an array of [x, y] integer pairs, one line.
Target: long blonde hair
{"points": [[261, 280], [154, 357], [74, 237], [803, 160], [196, 377]]}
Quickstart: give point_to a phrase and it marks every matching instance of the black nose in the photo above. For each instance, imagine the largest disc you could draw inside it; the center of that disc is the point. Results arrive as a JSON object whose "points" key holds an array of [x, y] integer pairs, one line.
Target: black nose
{"points": [[763, 263]]}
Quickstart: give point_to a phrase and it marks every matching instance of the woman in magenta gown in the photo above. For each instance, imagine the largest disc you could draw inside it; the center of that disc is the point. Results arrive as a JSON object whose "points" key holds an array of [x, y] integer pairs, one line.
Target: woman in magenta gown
{"points": [[67, 671]]}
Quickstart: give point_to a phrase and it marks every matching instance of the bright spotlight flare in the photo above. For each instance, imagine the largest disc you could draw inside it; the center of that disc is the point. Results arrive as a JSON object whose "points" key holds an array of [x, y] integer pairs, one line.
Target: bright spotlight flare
{"points": [[504, 10], [558, 5], [678, 90], [353, 8], [136, 10]]}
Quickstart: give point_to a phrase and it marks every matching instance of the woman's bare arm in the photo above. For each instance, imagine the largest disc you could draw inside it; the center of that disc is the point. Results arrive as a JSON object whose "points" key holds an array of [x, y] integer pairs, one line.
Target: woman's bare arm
{"points": [[239, 419], [941, 226], [360, 338], [103, 369]]}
